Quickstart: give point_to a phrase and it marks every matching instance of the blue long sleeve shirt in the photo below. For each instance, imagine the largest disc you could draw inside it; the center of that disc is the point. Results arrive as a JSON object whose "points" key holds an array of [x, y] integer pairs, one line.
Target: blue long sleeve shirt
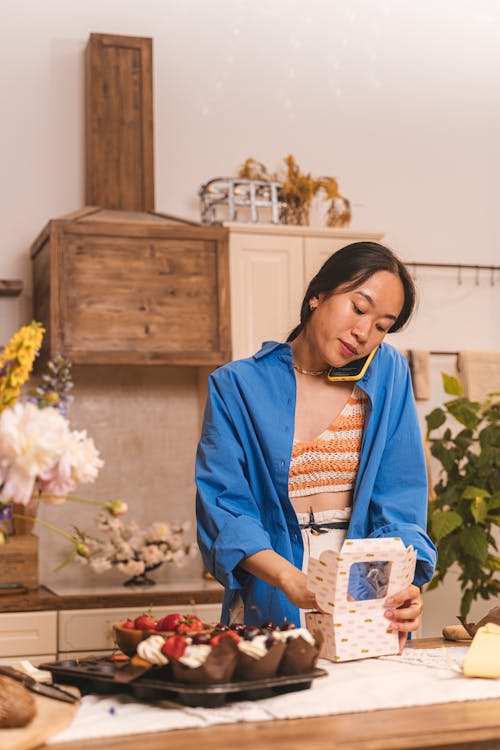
{"points": [[242, 468]]}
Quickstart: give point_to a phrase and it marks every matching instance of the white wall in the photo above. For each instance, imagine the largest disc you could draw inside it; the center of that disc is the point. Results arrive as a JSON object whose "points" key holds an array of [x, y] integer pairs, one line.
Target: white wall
{"points": [[397, 99]]}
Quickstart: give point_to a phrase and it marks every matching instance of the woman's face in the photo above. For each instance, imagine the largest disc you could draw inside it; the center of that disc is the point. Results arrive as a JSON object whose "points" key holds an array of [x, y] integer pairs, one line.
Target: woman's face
{"points": [[347, 325]]}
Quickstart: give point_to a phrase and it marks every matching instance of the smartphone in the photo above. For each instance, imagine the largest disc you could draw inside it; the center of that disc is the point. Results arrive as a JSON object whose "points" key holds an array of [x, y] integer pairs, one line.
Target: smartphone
{"points": [[353, 370]]}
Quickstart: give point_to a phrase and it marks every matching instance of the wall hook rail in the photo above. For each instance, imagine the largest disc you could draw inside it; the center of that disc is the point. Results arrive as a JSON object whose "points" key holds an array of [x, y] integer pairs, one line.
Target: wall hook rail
{"points": [[458, 267]]}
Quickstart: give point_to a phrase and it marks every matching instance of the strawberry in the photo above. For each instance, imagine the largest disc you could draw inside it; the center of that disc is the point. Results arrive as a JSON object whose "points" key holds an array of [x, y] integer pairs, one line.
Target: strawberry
{"points": [[169, 622], [174, 646], [145, 622], [189, 624], [216, 639], [129, 624]]}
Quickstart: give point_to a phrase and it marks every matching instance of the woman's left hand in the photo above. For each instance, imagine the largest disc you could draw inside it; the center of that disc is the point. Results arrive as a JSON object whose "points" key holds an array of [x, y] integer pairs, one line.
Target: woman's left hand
{"points": [[404, 610]]}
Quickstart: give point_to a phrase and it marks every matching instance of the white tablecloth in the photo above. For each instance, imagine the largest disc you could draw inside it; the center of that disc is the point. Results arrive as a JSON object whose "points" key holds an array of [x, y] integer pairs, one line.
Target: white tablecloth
{"points": [[417, 678]]}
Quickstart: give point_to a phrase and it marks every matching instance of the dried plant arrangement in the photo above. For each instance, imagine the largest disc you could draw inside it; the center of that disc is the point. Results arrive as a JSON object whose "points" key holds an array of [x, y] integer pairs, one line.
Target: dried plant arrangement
{"points": [[298, 190]]}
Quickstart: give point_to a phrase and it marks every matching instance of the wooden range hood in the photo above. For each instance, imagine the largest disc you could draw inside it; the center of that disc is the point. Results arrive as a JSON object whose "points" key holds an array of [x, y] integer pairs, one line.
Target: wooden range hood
{"points": [[116, 282]]}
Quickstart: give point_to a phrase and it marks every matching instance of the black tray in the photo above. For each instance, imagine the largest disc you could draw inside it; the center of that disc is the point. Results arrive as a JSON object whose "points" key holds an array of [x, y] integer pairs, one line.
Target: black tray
{"points": [[96, 675]]}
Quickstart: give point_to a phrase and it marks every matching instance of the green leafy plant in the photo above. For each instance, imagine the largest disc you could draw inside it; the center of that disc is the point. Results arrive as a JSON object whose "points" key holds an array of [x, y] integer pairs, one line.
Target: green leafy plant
{"points": [[466, 505]]}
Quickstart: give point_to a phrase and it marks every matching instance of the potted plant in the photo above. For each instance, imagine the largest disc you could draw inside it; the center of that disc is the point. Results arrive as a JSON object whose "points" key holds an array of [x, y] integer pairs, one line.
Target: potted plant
{"points": [[466, 502], [298, 190]]}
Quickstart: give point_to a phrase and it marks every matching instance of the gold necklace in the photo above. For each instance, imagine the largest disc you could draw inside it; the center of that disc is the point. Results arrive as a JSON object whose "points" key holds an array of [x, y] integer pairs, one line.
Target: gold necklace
{"points": [[309, 372]]}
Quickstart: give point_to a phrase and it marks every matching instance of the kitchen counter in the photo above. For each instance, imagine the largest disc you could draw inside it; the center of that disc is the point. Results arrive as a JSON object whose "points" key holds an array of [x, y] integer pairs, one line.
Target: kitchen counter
{"points": [[470, 725], [196, 591]]}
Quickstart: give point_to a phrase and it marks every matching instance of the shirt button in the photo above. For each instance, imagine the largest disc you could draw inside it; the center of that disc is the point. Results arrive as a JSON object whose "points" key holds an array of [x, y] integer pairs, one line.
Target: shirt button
{"points": [[282, 464], [287, 428], [289, 402]]}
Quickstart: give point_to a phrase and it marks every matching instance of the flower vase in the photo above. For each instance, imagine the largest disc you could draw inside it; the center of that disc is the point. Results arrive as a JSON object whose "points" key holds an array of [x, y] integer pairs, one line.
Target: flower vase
{"points": [[142, 579]]}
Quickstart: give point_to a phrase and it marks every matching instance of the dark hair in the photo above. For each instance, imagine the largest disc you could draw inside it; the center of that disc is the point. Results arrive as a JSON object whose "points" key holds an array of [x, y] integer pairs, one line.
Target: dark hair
{"points": [[351, 266]]}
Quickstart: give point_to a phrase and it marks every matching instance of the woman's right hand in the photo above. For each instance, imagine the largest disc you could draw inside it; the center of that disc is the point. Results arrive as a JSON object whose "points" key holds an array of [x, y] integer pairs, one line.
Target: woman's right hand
{"points": [[274, 569], [293, 583]]}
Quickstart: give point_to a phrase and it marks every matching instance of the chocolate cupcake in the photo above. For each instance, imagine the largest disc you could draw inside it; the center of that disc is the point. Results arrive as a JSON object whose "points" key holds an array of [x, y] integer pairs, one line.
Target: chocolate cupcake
{"points": [[259, 656], [204, 663], [301, 651]]}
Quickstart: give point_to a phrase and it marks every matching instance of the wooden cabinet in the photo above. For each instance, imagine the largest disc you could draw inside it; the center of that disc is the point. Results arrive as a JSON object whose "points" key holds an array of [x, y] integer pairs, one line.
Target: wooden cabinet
{"points": [[116, 287], [270, 267]]}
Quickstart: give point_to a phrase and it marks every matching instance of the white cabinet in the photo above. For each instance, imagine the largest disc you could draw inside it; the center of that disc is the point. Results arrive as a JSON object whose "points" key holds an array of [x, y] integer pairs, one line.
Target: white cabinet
{"points": [[28, 635], [270, 267]]}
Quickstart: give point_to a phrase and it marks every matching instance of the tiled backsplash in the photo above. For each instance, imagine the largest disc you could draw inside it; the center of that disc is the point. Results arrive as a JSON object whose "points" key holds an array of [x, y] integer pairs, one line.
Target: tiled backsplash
{"points": [[145, 423]]}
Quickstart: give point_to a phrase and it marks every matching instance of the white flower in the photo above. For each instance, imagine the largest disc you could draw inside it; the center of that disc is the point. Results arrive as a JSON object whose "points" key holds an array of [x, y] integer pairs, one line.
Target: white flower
{"points": [[82, 458], [175, 542], [100, 564], [152, 554], [159, 531], [38, 452], [132, 567], [31, 442]]}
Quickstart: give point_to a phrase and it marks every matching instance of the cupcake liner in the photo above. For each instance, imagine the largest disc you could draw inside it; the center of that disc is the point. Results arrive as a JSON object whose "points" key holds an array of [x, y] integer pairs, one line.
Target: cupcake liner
{"points": [[299, 657], [249, 668], [218, 667]]}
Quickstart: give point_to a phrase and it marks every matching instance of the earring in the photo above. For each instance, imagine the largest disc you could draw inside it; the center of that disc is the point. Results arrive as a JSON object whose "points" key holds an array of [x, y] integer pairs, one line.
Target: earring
{"points": [[313, 303]]}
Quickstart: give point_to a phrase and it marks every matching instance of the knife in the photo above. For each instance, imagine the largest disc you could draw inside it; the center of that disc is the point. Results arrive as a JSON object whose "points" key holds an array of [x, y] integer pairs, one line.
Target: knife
{"points": [[49, 691]]}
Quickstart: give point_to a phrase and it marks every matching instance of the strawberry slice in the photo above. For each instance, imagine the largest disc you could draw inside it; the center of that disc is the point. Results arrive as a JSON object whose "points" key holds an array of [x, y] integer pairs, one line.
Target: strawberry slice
{"points": [[216, 639], [174, 646]]}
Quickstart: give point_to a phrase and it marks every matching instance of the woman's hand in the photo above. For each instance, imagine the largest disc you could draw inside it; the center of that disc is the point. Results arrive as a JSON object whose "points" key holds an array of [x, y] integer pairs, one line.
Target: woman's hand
{"points": [[404, 610], [293, 583], [274, 569]]}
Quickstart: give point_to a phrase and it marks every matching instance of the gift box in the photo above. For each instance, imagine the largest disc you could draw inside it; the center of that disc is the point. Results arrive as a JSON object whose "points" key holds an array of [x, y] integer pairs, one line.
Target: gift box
{"points": [[351, 587]]}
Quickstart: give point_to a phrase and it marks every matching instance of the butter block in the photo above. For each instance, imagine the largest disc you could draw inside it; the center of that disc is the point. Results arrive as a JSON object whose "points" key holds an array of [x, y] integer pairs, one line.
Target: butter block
{"points": [[483, 656]]}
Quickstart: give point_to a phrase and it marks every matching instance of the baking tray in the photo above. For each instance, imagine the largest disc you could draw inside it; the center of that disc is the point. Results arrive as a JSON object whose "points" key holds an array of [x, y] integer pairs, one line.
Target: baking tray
{"points": [[97, 676]]}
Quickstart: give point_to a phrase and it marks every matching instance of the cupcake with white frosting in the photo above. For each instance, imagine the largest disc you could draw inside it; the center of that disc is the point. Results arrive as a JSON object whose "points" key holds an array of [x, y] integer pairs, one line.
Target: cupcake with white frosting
{"points": [[260, 654], [301, 649], [196, 661]]}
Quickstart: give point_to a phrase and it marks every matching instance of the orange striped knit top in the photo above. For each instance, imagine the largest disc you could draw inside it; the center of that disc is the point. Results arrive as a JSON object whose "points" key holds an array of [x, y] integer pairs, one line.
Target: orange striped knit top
{"points": [[330, 462]]}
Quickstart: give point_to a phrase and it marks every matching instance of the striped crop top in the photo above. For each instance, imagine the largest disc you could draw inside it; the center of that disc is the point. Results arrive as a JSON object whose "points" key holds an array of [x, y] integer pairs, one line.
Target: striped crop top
{"points": [[330, 462]]}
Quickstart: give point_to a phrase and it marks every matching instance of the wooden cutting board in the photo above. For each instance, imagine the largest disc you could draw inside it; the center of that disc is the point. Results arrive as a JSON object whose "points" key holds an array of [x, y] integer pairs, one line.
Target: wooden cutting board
{"points": [[51, 717]]}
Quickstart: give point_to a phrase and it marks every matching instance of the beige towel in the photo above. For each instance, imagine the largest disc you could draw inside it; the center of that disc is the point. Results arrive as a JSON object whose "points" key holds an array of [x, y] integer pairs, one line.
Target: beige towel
{"points": [[419, 364], [479, 373]]}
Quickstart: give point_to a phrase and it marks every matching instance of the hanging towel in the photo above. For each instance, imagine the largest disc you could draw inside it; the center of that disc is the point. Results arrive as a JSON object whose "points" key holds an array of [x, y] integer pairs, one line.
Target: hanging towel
{"points": [[479, 373], [419, 364]]}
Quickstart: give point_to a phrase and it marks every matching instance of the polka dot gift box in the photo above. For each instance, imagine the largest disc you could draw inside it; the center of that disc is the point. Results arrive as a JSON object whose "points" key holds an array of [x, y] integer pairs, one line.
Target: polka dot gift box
{"points": [[351, 587]]}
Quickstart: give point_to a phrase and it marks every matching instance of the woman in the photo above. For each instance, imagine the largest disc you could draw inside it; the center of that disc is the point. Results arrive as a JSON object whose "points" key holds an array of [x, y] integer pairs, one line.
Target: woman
{"points": [[293, 460]]}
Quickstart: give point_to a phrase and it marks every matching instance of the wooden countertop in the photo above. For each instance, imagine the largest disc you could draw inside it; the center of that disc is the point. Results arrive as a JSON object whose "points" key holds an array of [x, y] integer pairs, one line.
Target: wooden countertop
{"points": [[473, 725], [192, 592]]}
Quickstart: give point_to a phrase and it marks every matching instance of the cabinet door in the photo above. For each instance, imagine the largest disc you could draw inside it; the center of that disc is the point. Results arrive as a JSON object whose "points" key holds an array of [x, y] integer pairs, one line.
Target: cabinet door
{"points": [[24, 633], [267, 281], [319, 249]]}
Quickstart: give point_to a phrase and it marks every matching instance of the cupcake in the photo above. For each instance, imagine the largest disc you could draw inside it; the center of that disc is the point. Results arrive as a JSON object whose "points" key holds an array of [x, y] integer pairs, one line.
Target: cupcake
{"points": [[202, 660], [260, 654], [149, 654], [301, 650]]}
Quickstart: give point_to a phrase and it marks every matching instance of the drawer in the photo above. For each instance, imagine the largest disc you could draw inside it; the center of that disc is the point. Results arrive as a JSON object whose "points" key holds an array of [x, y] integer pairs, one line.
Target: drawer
{"points": [[28, 633], [92, 629]]}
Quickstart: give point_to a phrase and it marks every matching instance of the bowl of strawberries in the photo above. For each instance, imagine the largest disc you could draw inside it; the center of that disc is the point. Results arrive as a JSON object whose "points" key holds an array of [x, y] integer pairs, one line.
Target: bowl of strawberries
{"points": [[131, 632]]}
